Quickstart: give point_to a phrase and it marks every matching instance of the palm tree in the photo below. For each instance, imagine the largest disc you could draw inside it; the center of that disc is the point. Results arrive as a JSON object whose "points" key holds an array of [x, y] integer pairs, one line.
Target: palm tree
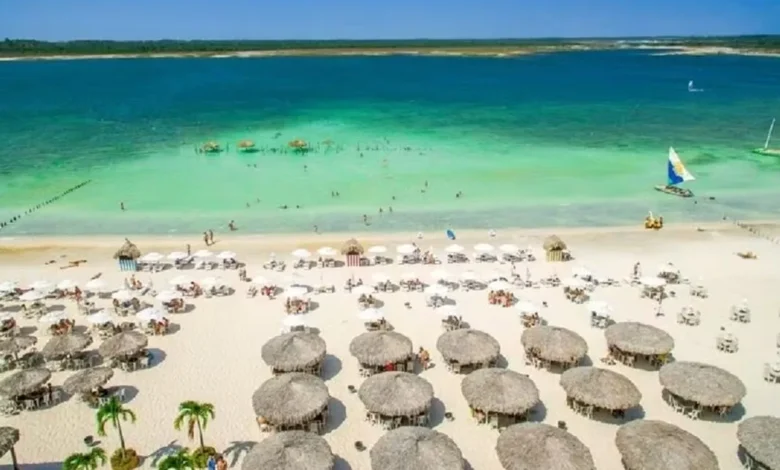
{"points": [[195, 414], [113, 412], [181, 460], [95, 458]]}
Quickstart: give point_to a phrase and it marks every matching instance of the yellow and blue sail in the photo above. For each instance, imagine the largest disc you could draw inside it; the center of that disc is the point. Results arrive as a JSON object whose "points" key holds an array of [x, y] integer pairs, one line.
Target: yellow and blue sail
{"points": [[676, 171]]}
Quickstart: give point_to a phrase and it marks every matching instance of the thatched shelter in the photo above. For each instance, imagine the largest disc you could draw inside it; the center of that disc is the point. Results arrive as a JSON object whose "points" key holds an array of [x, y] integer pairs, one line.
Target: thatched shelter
{"points": [[23, 382], [554, 248], [601, 388], [466, 346], [126, 343], [128, 251], [8, 438], [500, 391], [298, 144], [291, 399], [418, 448], [554, 344], [86, 380], [396, 394], [656, 445], [211, 147], [62, 345], [16, 344], [377, 348], [759, 437], [352, 247], [290, 450], [702, 383], [246, 146], [638, 338], [534, 446], [295, 352]]}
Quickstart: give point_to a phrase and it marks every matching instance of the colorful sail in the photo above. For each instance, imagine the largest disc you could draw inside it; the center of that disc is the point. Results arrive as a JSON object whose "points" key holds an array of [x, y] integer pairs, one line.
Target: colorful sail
{"points": [[676, 171]]}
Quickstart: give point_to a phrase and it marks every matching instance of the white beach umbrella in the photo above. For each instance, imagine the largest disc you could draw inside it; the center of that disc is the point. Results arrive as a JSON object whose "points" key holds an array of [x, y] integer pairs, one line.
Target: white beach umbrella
{"points": [[579, 271], [509, 248], [177, 255], [468, 276], [95, 285], [599, 307], [260, 280], [573, 283], [301, 253], [32, 296], [371, 314], [499, 285], [668, 268], [5, 316], [7, 286], [484, 247], [328, 252], [293, 320], [409, 276], [380, 278], [454, 248], [67, 284], [296, 292], [53, 317], [525, 306], [41, 285], [653, 282], [152, 257], [149, 314], [436, 289], [363, 290], [406, 249], [180, 281], [212, 281], [122, 295], [227, 255], [168, 295], [377, 249], [100, 318], [203, 254]]}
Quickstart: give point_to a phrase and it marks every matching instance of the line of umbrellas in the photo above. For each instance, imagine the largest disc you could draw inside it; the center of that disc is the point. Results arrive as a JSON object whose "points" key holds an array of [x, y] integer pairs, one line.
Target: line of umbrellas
{"points": [[154, 257]]}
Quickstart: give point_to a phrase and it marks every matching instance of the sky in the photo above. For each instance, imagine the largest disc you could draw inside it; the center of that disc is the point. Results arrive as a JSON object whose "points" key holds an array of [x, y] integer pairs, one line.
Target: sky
{"points": [[374, 19]]}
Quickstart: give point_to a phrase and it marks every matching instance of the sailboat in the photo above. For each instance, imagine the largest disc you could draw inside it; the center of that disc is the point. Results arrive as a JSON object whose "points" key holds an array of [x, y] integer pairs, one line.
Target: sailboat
{"points": [[692, 88], [766, 150], [676, 173]]}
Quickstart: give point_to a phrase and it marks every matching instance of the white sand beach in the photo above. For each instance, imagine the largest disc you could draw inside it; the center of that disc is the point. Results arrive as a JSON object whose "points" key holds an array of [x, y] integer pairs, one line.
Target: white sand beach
{"points": [[213, 353]]}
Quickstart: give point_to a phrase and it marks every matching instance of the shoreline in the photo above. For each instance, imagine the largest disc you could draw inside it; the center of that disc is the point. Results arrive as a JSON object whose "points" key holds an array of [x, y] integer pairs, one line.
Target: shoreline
{"points": [[713, 50]]}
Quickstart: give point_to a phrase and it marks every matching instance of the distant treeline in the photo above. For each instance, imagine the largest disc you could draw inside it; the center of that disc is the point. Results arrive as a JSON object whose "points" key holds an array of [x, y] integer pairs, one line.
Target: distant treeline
{"points": [[32, 48]]}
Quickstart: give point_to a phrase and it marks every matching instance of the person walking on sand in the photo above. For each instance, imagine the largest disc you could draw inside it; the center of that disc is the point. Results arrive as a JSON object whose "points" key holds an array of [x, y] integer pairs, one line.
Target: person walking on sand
{"points": [[211, 464], [206, 238], [189, 249], [211, 236], [221, 463]]}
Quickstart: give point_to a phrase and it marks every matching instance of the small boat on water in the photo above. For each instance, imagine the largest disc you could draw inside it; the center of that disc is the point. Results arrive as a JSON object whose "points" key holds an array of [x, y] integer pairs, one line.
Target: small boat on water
{"points": [[676, 174], [692, 88], [766, 150]]}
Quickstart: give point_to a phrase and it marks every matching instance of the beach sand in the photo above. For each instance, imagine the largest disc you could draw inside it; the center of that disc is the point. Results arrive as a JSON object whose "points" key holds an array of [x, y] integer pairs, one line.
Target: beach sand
{"points": [[214, 353]]}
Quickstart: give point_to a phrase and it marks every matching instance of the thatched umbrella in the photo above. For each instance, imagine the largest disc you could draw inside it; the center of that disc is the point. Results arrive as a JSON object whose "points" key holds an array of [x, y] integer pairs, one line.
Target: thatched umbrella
{"points": [[352, 247], [532, 446], [246, 144], [412, 447], [123, 344], [298, 144], [211, 147], [553, 243], [8, 438], [377, 348], [500, 391], [601, 388], [555, 344], [16, 344], [759, 436], [63, 345], [290, 399], [702, 383], [127, 251], [467, 346], [396, 394], [638, 338], [294, 351], [290, 450], [656, 445], [24, 381], [86, 380]]}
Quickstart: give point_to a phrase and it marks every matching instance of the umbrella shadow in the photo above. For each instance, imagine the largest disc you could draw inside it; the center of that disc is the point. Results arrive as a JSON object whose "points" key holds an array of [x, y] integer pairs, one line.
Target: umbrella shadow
{"points": [[38, 466], [236, 449], [173, 328], [341, 464], [331, 366], [467, 465], [129, 391], [81, 329], [188, 308], [501, 362], [313, 305], [337, 414], [56, 308], [164, 451], [12, 308], [27, 330], [436, 412], [737, 413], [538, 413], [158, 356], [631, 414]]}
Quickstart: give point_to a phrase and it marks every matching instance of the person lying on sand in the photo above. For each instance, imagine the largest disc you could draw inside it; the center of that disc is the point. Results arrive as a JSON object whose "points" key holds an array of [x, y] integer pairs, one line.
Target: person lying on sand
{"points": [[74, 264]]}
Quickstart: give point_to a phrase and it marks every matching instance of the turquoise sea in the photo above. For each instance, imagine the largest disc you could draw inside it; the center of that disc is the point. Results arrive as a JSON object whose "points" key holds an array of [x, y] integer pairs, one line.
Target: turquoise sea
{"points": [[567, 139]]}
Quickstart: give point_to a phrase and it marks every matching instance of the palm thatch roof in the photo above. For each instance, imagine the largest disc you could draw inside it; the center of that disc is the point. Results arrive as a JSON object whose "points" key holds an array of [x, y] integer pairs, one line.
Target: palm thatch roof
{"points": [[127, 251], [8, 438], [413, 447], [553, 243], [555, 344], [759, 436], [63, 345], [17, 344], [467, 346], [377, 348], [352, 247], [211, 147], [656, 445], [24, 381], [396, 394], [601, 388], [86, 380], [533, 446], [290, 450], [702, 383], [298, 144], [294, 351], [290, 399], [499, 391], [123, 344], [246, 144], [638, 338]]}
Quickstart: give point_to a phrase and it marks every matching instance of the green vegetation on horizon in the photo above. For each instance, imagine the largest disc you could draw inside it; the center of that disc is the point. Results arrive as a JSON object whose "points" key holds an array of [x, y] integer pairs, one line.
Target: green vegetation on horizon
{"points": [[34, 48]]}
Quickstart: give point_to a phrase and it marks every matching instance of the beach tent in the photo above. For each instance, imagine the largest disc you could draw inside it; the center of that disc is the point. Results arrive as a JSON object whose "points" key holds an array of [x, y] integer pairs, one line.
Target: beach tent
{"points": [[353, 250], [127, 256], [554, 248]]}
